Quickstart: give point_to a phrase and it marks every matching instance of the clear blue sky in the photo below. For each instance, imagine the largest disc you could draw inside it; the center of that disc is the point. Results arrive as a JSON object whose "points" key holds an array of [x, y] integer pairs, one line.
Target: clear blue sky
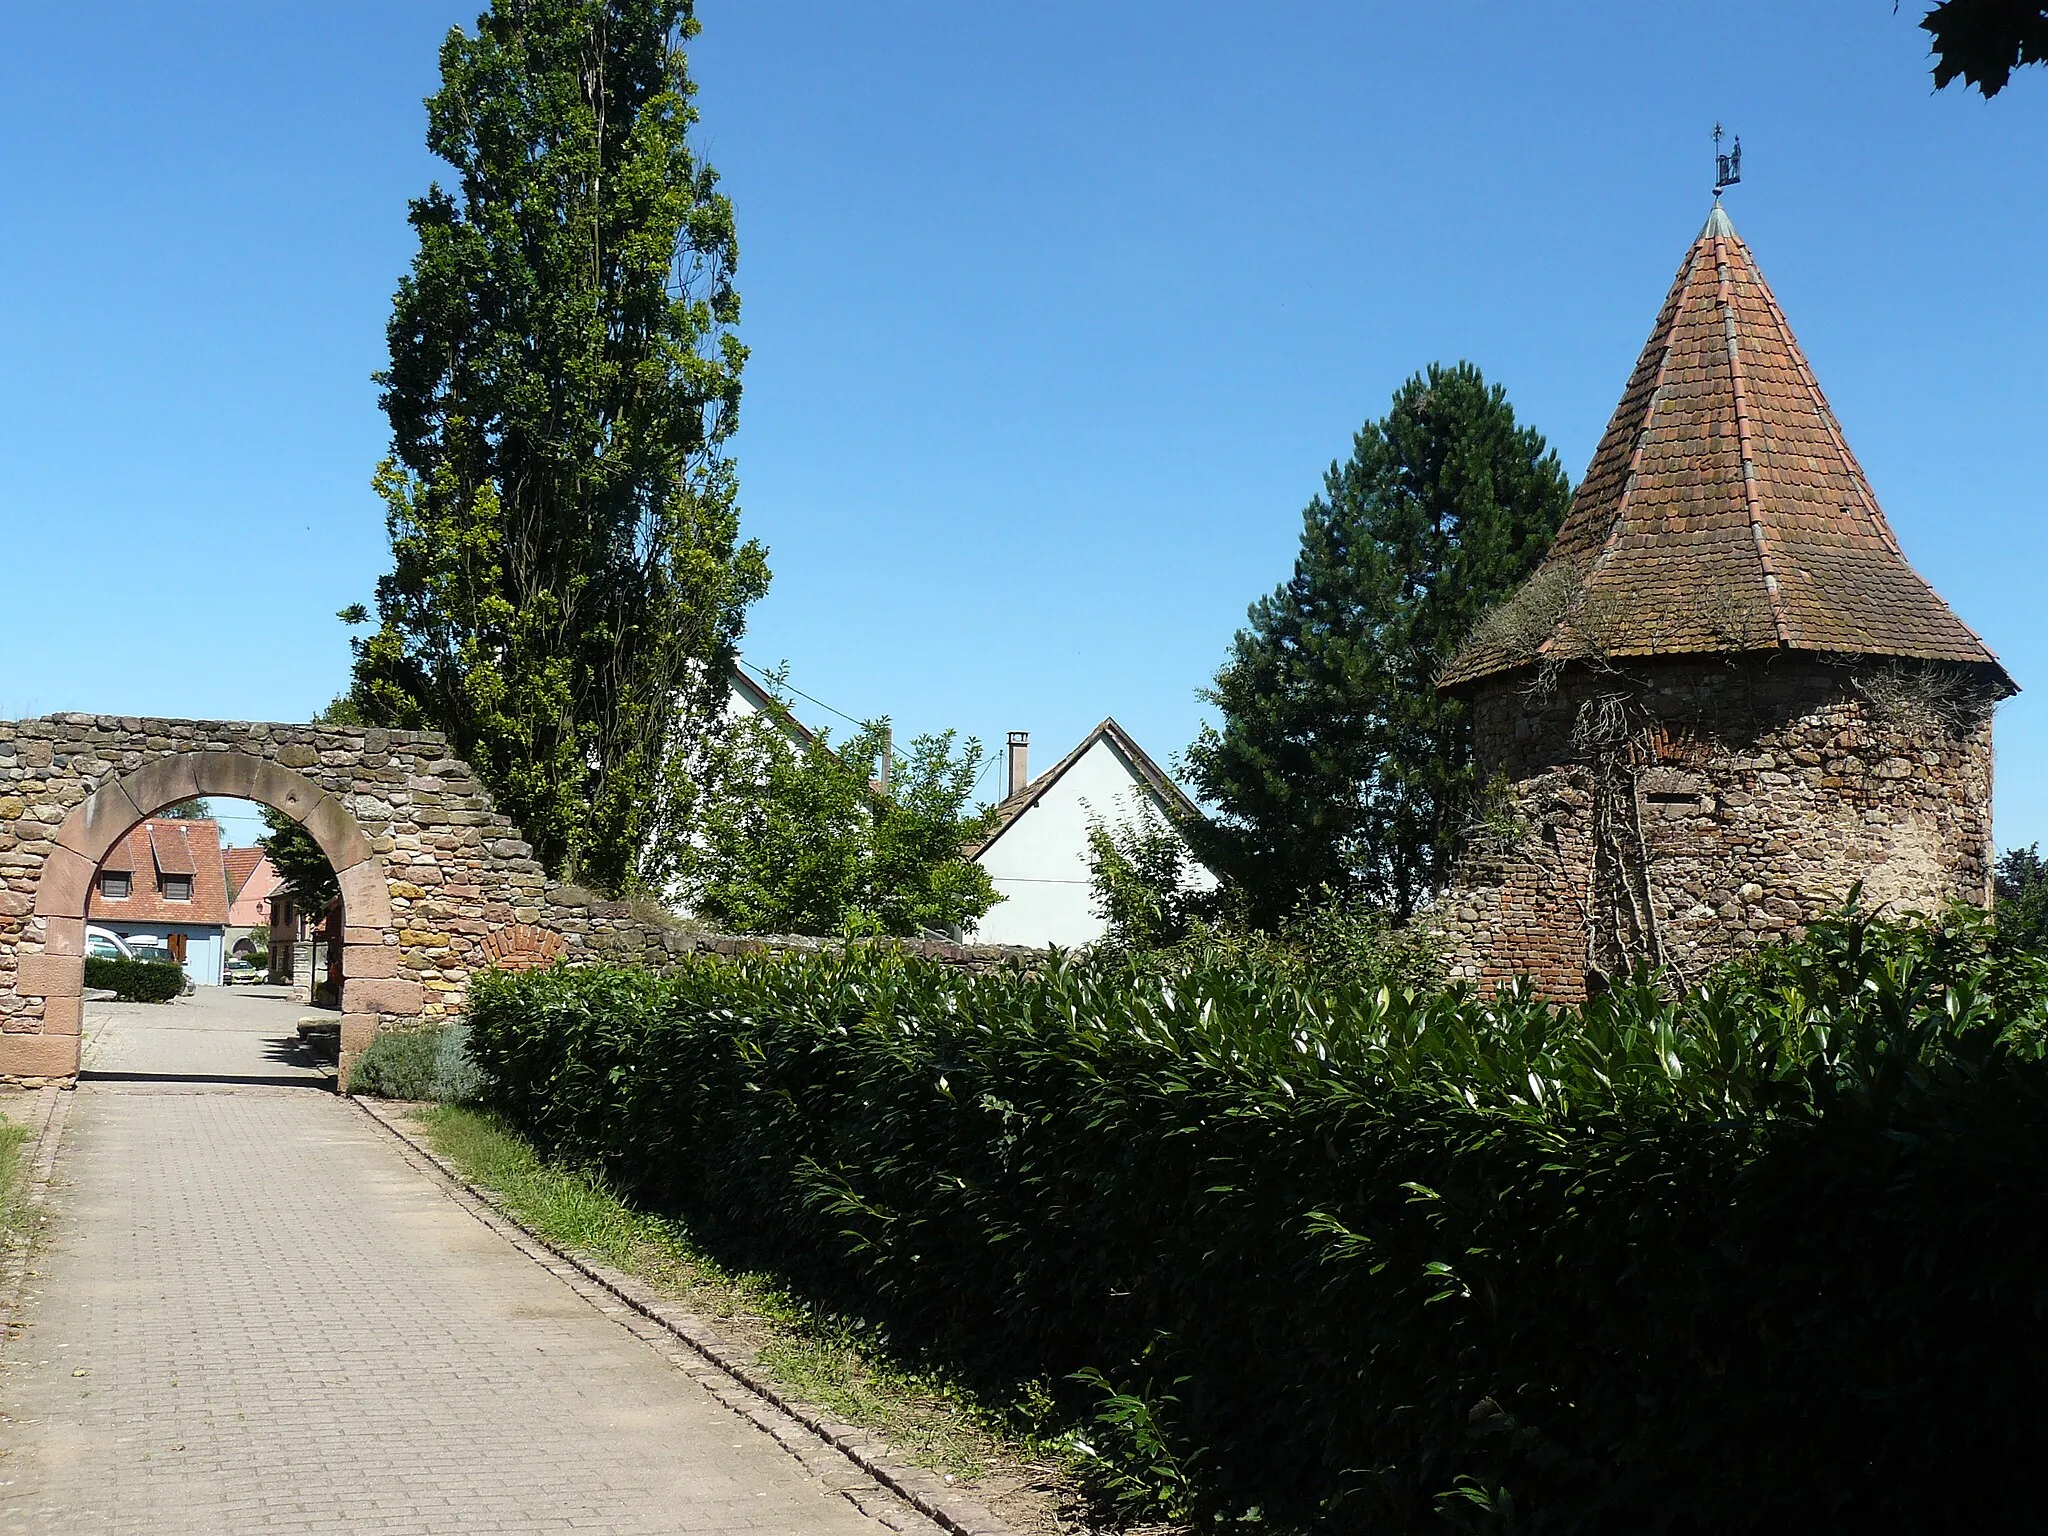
{"points": [[1058, 312]]}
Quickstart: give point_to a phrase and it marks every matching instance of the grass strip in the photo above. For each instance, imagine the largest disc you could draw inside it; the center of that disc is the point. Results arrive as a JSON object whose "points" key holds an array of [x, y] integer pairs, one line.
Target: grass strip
{"points": [[17, 1210], [820, 1359]]}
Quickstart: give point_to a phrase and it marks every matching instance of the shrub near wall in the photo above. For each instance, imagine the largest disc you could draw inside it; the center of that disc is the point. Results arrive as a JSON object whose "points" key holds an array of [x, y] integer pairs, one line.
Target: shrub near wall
{"points": [[1778, 1253], [135, 981]]}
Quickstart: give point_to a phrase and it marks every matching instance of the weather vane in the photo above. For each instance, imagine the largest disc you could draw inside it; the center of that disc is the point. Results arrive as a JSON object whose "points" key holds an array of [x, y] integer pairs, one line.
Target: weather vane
{"points": [[1728, 166]]}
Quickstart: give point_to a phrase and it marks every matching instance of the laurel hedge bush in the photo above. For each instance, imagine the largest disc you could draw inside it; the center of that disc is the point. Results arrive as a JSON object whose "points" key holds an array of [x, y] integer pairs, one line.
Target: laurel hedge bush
{"points": [[1770, 1255], [135, 981]]}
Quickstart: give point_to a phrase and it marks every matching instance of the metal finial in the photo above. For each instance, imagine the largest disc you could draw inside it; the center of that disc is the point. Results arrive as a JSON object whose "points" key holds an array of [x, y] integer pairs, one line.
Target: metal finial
{"points": [[1728, 167]]}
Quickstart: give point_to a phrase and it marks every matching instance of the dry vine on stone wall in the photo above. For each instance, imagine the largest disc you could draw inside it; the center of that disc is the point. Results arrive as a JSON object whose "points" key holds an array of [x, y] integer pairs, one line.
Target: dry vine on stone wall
{"points": [[1920, 699], [1622, 933]]}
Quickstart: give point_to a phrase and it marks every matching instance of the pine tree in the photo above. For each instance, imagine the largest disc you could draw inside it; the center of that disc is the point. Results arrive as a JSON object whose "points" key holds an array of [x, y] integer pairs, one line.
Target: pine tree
{"points": [[1337, 764], [2021, 905], [568, 582]]}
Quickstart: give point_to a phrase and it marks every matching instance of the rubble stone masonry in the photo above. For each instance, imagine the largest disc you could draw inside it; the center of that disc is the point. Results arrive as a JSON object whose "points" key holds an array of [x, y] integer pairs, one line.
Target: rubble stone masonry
{"points": [[1677, 811], [436, 883]]}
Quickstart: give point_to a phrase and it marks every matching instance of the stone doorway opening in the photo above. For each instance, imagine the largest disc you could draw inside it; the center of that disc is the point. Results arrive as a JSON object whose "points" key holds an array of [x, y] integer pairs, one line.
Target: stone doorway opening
{"points": [[435, 882], [245, 903], [138, 848]]}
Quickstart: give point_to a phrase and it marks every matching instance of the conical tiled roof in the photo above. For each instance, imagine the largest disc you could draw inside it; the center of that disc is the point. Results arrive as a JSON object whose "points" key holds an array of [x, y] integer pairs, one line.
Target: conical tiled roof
{"points": [[1723, 509]]}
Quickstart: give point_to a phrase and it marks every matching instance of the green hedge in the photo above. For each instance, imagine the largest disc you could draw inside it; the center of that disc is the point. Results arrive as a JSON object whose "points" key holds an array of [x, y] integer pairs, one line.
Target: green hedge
{"points": [[1774, 1254], [136, 981]]}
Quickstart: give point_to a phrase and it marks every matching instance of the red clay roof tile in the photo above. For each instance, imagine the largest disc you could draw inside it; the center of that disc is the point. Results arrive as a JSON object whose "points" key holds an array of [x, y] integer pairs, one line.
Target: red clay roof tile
{"points": [[136, 854], [239, 864], [1723, 510]]}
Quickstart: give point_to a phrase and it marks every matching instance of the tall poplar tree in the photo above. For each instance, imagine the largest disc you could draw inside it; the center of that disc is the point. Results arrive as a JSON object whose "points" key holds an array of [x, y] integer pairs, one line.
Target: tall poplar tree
{"points": [[1337, 764], [568, 582]]}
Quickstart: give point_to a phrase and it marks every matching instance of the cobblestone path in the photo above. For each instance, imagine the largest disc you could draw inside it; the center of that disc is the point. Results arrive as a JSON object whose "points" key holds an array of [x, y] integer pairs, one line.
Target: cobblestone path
{"points": [[254, 1314]]}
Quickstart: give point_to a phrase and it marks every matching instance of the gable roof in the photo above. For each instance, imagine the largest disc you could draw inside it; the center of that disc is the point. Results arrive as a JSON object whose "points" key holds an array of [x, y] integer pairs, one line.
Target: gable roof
{"points": [[1723, 510], [152, 850], [763, 702], [171, 848], [249, 901], [1178, 806], [239, 864]]}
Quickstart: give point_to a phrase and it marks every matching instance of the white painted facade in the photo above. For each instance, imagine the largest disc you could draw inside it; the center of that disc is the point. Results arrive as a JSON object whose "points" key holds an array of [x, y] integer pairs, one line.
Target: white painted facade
{"points": [[1039, 859]]}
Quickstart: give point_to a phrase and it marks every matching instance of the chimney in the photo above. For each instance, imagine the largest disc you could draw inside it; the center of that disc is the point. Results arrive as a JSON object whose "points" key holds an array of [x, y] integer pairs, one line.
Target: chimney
{"points": [[1020, 761]]}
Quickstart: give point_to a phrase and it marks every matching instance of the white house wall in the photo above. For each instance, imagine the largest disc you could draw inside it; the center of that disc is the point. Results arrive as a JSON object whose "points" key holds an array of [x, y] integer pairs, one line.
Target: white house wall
{"points": [[1040, 863]]}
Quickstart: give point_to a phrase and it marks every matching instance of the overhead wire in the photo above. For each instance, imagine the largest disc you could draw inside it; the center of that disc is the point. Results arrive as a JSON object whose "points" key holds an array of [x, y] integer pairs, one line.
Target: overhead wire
{"points": [[780, 682]]}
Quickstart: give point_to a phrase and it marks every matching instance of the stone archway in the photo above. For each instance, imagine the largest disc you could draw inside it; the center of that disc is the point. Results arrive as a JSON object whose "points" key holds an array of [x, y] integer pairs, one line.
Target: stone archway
{"points": [[435, 882], [107, 815]]}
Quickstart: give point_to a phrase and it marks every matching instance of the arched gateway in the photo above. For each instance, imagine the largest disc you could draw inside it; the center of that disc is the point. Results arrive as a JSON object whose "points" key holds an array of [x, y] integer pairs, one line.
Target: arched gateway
{"points": [[435, 882]]}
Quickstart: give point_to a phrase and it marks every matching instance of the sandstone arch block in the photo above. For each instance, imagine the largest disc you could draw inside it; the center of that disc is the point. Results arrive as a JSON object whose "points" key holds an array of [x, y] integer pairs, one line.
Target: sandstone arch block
{"points": [[99, 822], [66, 882], [357, 1031], [161, 783], [49, 976], [371, 962], [231, 775], [63, 1015], [365, 995], [337, 833], [64, 936], [286, 791], [39, 1055], [365, 897]]}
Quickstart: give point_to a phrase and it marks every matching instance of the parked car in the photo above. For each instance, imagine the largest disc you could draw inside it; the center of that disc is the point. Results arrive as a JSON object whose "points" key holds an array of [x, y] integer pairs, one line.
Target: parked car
{"points": [[104, 944]]}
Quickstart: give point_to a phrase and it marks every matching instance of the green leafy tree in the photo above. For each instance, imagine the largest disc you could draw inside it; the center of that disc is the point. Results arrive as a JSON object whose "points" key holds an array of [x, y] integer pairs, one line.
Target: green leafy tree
{"points": [[793, 836], [1981, 42], [1337, 766], [186, 810], [342, 710], [300, 864], [1142, 877], [2022, 899], [568, 579], [297, 858]]}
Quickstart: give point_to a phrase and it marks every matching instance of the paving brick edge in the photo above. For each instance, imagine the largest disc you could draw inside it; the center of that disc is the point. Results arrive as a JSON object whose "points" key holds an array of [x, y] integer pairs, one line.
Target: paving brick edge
{"points": [[922, 1490]]}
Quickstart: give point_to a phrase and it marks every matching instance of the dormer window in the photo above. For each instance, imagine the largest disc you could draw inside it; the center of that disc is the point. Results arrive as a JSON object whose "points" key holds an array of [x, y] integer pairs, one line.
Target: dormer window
{"points": [[116, 885], [177, 887]]}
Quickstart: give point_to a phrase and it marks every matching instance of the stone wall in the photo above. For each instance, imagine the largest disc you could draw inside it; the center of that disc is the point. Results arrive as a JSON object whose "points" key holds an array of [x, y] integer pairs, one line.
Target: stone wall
{"points": [[1678, 811], [429, 870], [436, 884]]}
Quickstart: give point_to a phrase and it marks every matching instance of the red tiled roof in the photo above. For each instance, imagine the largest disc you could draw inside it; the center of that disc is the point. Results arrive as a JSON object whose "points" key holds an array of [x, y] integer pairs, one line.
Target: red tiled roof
{"points": [[239, 864], [153, 849], [249, 903], [172, 849], [1723, 510]]}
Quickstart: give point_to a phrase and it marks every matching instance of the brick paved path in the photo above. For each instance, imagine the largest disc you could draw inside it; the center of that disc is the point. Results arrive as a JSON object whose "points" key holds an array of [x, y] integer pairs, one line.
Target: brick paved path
{"points": [[217, 1032], [255, 1314]]}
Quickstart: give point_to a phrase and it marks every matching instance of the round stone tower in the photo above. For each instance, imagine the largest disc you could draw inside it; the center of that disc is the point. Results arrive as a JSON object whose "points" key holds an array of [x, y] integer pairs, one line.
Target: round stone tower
{"points": [[1725, 698]]}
